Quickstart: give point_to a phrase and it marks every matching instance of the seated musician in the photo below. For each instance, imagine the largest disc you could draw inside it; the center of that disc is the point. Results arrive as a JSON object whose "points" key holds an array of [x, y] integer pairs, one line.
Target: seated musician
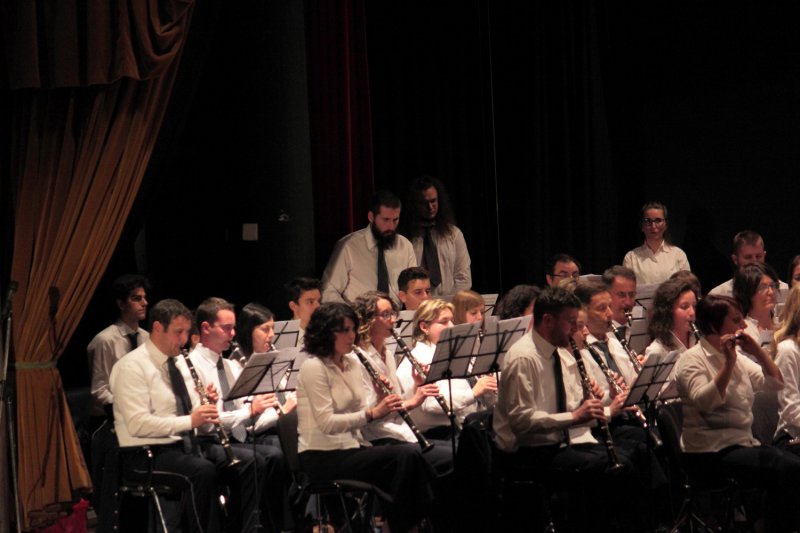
{"points": [[156, 404], [331, 411], [718, 387], [787, 359], [756, 287], [433, 317], [467, 307], [544, 423], [673, 314], [517, 302]]}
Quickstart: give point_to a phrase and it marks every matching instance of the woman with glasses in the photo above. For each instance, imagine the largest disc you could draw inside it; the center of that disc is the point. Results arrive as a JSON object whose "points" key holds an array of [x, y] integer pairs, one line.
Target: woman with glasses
{"points": [[656, 259], [331, 411], [756, 288], [430, 320]]}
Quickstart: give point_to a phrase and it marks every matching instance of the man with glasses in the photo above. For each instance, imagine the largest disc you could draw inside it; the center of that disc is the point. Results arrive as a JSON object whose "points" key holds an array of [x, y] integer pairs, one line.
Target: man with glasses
{"points": [[559, 267], [748, 249]]}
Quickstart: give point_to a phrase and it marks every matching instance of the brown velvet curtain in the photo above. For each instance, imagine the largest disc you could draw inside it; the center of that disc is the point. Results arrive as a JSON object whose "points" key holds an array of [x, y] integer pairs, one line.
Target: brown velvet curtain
{"points": [[91, 83]]}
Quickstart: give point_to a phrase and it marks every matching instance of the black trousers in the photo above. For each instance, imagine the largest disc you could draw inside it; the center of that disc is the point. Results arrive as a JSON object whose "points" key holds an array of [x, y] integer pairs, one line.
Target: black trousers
{"points": [[400, 471]]}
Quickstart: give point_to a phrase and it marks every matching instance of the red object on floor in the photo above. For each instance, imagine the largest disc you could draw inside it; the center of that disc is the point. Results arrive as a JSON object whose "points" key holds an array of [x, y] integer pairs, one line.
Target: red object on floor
{"points": [[75, 522]]}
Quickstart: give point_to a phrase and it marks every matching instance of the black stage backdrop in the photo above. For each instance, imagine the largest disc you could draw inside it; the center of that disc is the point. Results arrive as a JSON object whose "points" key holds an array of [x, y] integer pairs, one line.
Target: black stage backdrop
{"points": [[550, 124]]}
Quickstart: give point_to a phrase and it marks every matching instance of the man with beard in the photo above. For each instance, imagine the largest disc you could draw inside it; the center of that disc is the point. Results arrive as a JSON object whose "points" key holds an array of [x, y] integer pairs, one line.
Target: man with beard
{"points": [[438, 243], [370, 258]]}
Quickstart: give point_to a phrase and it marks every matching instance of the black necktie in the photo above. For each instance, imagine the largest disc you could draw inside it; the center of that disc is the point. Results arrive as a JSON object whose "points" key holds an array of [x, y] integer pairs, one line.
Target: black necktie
{"points": [[430, 258], [383, 272], [224, 386], [134, 338], [561, 391], [182, 402], [612, 364]]}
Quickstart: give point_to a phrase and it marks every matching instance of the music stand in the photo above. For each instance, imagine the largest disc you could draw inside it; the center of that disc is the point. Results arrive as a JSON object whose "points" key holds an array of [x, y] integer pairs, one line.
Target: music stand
{"points": [[287, 333], [489, 303], [652, 383], [498, 336], [405, 330]]}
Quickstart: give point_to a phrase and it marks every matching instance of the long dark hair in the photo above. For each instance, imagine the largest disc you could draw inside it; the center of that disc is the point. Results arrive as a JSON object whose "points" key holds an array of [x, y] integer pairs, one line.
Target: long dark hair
{"points": [[661, 322], [412, 223], [321, 330], [250, 317], [746, 282]]}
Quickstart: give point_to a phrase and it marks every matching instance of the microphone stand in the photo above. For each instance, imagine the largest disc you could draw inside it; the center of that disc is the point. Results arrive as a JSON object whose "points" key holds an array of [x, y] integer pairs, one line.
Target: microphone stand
{"points": [[7, 396]]}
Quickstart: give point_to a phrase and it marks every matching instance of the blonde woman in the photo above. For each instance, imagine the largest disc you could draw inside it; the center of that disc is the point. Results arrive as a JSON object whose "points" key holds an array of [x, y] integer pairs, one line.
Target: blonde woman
{"points": [[430, 320], [787, 359]]}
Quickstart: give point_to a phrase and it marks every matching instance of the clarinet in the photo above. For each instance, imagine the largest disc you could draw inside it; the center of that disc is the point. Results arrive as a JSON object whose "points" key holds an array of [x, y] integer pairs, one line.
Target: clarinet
{"points": [[222, 435], [695, 331], [421, 372], [612, 383], [637, 366], [376, 379], [608, 440]]}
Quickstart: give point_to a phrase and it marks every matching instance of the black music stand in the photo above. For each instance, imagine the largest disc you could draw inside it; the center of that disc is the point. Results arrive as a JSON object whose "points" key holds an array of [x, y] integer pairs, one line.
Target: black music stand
{"points": [[497, 338], [450, 361], [405, 330], [652, 384], [287, 333]]}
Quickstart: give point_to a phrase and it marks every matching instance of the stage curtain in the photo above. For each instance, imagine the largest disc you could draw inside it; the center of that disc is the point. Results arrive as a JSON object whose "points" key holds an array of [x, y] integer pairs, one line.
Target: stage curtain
{"points": [[341, 127], [90, 85]]}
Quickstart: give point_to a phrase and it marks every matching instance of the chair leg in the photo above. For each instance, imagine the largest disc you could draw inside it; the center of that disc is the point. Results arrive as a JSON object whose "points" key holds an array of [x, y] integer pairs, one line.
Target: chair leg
{"points": [[157, 502]]}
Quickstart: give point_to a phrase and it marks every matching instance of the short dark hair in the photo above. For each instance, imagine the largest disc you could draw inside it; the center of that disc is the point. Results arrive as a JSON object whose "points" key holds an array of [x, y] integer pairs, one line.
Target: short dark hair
{"points": [[410, 274], [712, 310], [413, 225], [516, 301], [617, 270], [320, 333], [560, 258], [296, 287], [661, 207], [208, 309], [585, 290], [746, 236], [123, 285], [249, 318], [661, 321], [384, 198], [166, 310], [552, 300], [746, 281]]}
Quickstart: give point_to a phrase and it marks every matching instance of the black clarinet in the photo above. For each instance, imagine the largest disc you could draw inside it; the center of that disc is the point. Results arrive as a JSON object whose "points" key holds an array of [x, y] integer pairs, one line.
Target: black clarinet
{"points": [[222, 435], [613, 461], [376, 379], [695, 331], [632, 355], [421, 372]]}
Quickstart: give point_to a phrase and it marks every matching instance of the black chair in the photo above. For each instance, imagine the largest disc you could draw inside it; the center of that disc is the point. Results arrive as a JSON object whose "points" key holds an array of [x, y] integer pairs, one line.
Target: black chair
{"points": [[765, 416], [707, 504], [357, 516]]}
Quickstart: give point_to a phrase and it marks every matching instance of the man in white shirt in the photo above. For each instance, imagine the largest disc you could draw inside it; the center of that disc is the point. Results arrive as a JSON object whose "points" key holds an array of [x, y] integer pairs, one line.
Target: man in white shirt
{"points": [[561, 266], [438, 243], [304, 298], [156, 405], [370, 258], [748, 248], [414, 286], [541, 419], [621, 284], [216, 322]]}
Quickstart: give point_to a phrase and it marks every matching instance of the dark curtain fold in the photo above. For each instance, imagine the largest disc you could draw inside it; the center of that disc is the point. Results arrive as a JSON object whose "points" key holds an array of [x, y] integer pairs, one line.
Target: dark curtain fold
{"points": [[100, 75], [341, 127]]}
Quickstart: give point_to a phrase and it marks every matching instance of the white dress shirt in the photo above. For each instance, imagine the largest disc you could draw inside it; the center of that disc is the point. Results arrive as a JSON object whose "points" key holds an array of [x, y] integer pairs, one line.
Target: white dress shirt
{"points": [[454, 260], [430, 414], [712, 422], [105, 349], [331, 407], [652, 268], [619, 355], [726, 289], [353, 267], [787, 360], [236, 421], [392, 426], [525, 414], [145, 411]]}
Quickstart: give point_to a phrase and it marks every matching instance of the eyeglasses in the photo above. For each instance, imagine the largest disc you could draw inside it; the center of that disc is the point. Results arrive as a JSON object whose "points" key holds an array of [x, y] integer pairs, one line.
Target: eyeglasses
{"points": [[653, 221], [567, 275], [386, 315], [765, 287]]}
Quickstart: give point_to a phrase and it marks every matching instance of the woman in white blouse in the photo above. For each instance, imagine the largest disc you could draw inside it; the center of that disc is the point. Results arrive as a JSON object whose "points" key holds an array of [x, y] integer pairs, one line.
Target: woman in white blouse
{"points": [[756, 287], [430, 319], [331, 410], [787, 359], [673, 314], [657, 259], [718, 388]]}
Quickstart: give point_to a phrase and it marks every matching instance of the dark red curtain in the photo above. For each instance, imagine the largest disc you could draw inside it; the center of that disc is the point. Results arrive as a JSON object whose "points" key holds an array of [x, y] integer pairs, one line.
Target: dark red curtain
{"points": [[341, 127]]}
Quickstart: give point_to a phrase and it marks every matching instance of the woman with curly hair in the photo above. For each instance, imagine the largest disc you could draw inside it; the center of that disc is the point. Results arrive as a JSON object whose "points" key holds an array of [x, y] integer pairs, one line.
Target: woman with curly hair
{"points": [[671, 322]]}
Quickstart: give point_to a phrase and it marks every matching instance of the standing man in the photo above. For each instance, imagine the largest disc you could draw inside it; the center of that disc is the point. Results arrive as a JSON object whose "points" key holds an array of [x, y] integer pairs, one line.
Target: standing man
{"points": [[748, 248], [156, 405], [561, 266], [438, 243], [414, 286], [108, 346], [370, 258], [621, 284], [304, 298]]}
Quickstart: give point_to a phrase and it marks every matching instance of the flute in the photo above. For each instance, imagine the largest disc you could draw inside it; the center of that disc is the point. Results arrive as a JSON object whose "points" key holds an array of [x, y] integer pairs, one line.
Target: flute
{"points": [[632, 355], [421, 373], [608, 440], [222, 435], [376, 379]]}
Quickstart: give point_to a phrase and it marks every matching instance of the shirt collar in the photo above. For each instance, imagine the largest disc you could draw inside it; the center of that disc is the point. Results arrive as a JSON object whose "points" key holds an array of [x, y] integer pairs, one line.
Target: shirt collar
{"points": [[157, 355], [125, 329], [207, 354], [543, 346]]}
